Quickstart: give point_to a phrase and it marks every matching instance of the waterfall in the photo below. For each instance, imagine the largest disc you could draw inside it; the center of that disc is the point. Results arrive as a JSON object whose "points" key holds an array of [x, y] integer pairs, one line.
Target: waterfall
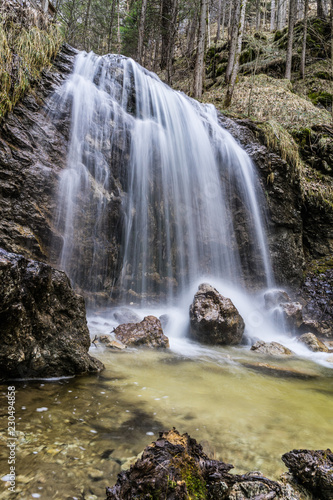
{"points": [[156, 193]]}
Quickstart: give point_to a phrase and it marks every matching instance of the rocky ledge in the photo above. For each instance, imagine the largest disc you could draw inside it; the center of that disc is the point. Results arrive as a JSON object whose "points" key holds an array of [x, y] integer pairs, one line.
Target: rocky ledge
{"points": [[175, 467], [43, 324]]}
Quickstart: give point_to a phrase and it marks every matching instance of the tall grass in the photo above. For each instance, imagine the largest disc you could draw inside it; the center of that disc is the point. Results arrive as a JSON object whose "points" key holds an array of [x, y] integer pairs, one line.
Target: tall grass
{"points": [[28, 43]]}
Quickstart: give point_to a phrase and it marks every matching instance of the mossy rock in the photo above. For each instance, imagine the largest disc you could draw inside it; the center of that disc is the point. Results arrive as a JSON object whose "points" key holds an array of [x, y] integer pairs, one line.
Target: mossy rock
{"points": [[220, 70], [248, 55], [278, 35], [323, 75], [323, 98]]}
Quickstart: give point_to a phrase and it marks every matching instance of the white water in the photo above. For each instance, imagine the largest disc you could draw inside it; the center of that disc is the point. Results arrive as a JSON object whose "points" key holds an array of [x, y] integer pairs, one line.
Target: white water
{"points": [[187, 185]]}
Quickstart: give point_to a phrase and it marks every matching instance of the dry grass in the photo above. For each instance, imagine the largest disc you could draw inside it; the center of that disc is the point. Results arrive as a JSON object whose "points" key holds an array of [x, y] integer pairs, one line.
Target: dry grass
{"points": [[271, 99], [28, 42]]}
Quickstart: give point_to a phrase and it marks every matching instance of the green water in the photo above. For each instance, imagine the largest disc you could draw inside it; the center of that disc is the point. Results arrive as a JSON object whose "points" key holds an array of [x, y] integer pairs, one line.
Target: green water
{"points": [[74, 435]]}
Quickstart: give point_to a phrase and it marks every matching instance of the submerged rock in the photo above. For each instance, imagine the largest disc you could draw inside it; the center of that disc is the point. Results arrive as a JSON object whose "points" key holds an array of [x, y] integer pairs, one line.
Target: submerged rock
{"points": [[149, 333], [280, 371], [116, 344], [43, 323], [313, 343], [175, 468], [312, 469], [214, 319], [271, 348]]}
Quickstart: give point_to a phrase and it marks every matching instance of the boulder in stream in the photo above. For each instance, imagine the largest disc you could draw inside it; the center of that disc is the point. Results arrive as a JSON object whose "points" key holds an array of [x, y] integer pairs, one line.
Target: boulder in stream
{"points": [[271, 348], [148, 333], [313, 343], [174, 467], [43, 323], [214, 319]]}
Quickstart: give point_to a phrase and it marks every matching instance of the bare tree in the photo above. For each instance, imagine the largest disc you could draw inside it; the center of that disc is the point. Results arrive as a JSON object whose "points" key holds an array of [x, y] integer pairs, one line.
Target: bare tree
{"points": [[305, 30], [141, 30], [258, 14], [272, 27], [200, 56], [111, 25], [281, 14], [291, 24], [169, 12], [86, 21], [219, 8], [233, 41], [231, 86], [321, 9]]}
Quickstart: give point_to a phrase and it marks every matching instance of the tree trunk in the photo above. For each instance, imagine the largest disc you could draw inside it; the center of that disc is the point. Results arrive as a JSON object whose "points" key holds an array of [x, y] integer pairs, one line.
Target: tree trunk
{"points": [[218, 20], [272, 27], [141, 29], [264, 16], [111, 26], [191, 36], [233, 41], [199, 62], [235, 68], [320, 9], [86, 21], [118, 28], [305, 21], [223, 20], [258, 5], [291, 24]]}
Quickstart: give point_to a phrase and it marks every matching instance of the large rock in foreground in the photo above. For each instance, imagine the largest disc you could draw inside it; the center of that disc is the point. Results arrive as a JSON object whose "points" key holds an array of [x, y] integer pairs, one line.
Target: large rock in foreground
{"points": [[313, 470], [214, 319], [148, 333], [176, 468], [43, 324]]}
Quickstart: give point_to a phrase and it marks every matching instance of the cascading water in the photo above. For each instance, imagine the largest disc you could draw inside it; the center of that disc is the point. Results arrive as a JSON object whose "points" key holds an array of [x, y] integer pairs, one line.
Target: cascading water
{"points": [[188, 191], [158, 197]]}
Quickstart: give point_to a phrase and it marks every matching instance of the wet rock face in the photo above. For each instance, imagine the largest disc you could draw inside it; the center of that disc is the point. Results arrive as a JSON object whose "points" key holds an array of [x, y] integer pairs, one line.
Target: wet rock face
{"points": [[312, 469], [317, 291], [148, 333], [32, 154], [42, 322], [176, 468], [283, 198], [214, 319]]}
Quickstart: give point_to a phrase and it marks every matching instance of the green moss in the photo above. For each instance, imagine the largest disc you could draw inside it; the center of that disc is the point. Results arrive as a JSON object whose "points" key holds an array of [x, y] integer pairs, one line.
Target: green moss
{"points": [[278, 35], [190, 473], [220, 70], [247, 55], [323, 75], [323, 98]]}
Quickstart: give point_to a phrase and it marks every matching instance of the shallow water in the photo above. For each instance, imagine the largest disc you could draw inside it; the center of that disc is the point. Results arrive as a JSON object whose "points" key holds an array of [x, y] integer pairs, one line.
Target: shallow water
{"points": [[74, 435]]}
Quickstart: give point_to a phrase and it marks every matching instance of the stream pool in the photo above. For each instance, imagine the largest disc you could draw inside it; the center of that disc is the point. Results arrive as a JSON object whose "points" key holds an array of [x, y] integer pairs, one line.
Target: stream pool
{"points": [[74, 435]]}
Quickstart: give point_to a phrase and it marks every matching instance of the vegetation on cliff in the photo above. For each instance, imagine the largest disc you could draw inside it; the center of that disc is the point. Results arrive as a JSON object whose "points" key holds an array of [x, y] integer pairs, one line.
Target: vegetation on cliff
{"points": [[28, 43]]}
